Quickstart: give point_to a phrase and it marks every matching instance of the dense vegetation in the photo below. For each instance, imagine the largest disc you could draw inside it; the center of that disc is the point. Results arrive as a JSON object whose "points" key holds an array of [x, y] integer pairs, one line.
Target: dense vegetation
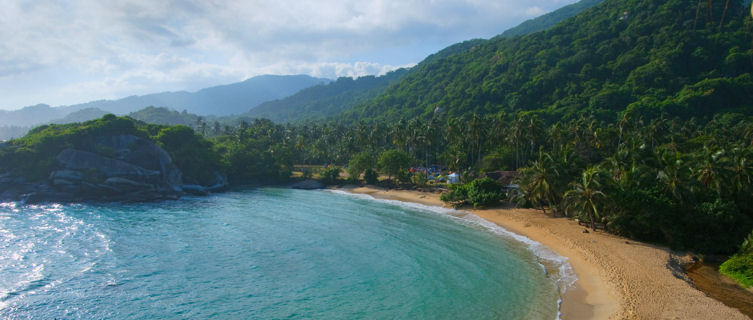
{"points": [[548, 20], [165, 116], [325, 100], [682, 183], [479, 192], [650, 56]]}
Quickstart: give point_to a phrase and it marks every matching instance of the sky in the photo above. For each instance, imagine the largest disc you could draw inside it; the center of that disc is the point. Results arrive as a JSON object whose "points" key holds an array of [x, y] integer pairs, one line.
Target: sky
{"points": [[66, 52]]}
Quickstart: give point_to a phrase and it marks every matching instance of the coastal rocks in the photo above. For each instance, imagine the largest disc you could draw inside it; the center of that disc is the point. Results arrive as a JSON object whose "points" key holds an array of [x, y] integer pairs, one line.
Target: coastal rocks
{"points": [[308, 184], [126, 168], [219, 184], [109, 168], [13, 187], [112, 168]]}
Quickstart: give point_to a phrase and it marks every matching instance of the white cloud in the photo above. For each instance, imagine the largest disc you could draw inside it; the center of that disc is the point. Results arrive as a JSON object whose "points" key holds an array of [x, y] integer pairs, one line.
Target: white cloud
{"points": [[534, 11], [64, 52]]}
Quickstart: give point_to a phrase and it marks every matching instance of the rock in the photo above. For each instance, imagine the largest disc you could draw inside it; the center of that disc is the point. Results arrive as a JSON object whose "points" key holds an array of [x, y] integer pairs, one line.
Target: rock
{"points": [[309, 184], [220, 183], [112, 168], [72, 159], [69, 175], [195, 189], [127, 185], [84, 175]]}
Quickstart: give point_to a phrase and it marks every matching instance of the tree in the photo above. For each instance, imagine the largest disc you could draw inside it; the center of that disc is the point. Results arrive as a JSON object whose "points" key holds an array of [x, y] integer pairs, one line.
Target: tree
{"points": [[539, 181], [584, 199], [359, 163], [189, 151], [391, 162], [713, 170]]}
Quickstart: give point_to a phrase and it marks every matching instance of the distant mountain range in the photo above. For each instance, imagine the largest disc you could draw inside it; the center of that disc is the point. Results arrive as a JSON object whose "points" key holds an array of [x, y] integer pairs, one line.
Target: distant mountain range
{"points": [[279, 98], [222, 100]]}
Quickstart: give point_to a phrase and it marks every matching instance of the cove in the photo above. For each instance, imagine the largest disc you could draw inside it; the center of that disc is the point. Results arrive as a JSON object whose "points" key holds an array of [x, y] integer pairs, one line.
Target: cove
{"points": [[265, 253]]}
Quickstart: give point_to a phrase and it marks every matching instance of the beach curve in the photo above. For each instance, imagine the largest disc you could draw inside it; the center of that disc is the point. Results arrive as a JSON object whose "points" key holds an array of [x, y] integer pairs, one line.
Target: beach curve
{"points": [[618, 278]]}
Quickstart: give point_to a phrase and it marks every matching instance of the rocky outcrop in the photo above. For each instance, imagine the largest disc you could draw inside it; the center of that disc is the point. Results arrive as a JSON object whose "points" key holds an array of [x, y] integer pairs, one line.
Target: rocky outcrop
{"points": [[113, 168], [135, 169], [219, 184], [309, 184]]}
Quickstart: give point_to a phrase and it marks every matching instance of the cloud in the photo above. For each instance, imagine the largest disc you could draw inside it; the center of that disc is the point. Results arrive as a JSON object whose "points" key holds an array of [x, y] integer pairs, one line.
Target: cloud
{"points": [[61, 49], [534, 11]]}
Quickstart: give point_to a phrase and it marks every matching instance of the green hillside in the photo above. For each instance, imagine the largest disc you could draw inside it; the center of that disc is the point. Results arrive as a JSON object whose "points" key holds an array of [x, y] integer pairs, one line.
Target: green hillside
{"points": [[325, 100], [165, 116], [550, 19], [651, 56]]}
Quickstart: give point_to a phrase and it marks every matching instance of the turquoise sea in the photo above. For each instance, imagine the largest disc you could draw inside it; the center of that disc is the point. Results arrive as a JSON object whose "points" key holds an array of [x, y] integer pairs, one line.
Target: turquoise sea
{"points": [[269, 254]]}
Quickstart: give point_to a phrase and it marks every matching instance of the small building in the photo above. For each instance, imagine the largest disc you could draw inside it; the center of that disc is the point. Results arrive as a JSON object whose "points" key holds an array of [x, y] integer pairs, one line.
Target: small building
{"points": [[453, 178], [507, 179]]}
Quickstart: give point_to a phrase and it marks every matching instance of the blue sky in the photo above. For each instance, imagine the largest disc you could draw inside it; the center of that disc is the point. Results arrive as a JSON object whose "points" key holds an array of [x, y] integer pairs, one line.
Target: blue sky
{"points": [[67, 52]]}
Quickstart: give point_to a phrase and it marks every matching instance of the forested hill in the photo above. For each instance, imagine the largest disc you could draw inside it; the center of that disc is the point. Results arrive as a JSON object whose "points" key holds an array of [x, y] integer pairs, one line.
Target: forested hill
{"points": [[221, 100], [550, 19], [325, 100], [647, 55]]}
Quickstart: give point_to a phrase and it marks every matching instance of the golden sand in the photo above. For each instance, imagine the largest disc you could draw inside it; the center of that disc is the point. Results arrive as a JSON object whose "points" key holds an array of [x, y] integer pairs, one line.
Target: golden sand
{"points": [[617, 278]]}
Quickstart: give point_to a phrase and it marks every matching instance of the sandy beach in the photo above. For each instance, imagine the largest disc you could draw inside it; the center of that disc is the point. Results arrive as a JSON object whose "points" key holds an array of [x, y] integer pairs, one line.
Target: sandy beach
{"points": [[617, 278]]}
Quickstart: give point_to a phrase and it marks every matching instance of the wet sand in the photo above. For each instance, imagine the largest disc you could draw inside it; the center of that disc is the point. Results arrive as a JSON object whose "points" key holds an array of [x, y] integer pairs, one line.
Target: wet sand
{"points": [[617, 278]]}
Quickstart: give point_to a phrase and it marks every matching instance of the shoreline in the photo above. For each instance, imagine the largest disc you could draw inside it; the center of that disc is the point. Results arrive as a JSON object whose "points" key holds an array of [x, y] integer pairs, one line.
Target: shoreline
{"points": [[618, 278]]}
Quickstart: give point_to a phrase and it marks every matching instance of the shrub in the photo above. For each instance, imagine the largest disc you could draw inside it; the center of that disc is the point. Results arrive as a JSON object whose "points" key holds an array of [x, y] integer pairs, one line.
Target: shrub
{"points": [[740, 268], [330, 175], [485, 192], [458, 194], [371, 176], [419, 179]]}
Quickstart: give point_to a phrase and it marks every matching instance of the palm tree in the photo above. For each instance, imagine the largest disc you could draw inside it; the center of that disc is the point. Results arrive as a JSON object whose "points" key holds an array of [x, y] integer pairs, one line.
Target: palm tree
{"points": [[540, 180], [516, 135], [713, 170], [584, 198], [673, 175], [742, 169]]}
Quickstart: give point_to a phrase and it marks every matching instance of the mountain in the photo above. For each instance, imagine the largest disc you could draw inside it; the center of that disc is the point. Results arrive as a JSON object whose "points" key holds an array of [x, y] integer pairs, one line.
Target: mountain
{"points": [[325, 100], [165, 116], [645, 56], [550, 19], [228, 99], [222, 100], [81, 116], [32, 115]]}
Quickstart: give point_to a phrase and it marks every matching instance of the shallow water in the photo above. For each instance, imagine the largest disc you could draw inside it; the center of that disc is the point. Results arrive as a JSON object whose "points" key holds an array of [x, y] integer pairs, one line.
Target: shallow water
{"points": [[265, 253], [707, 278]]}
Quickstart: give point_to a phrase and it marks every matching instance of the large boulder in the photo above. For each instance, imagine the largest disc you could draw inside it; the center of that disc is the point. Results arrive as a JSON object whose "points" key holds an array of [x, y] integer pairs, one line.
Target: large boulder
{"points": [[110, 168], [126, 168]]}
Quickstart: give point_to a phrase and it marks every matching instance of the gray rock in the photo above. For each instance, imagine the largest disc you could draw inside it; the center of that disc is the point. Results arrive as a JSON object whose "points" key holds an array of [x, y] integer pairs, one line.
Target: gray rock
{"points": [[78, 160], [126, 185], [195, 189], [66, 175], [309, 184], [112, 168]]}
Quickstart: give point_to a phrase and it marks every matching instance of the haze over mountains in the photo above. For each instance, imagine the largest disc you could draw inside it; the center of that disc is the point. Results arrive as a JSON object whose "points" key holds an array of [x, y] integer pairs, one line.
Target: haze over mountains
{"points": [[221, 100]]}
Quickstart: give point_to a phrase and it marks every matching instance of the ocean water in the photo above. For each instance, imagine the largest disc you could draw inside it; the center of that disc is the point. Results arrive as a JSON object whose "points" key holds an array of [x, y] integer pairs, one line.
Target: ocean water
{"points": [[269, 254]]}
